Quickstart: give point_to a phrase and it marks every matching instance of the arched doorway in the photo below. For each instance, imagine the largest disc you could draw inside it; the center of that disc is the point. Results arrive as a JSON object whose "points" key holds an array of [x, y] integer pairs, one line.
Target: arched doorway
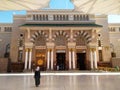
{"points": [[82, 38], [39, 39], [61, 40]]}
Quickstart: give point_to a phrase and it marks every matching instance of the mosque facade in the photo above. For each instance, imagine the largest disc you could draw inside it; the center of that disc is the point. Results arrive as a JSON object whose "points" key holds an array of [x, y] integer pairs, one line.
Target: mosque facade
{"points": [[57, 40]]}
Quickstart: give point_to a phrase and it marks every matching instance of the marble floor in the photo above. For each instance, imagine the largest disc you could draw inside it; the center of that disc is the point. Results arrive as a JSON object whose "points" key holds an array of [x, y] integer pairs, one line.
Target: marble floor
{"points": [[60, 82]]}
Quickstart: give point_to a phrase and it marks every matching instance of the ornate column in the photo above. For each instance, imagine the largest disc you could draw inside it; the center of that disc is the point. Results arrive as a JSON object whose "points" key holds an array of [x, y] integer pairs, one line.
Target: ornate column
{"points": [[48, 59], [50, 56], [95, 59], [52, 59], [26, 58], [91, 58], [30, 58], [73, 58], [72, 54], [70, 58], [28, 54]]}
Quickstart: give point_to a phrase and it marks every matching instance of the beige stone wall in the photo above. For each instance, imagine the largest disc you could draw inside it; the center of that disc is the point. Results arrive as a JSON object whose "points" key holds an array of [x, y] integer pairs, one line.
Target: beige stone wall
{"points": [[103, 20], [115, 62], [18, 20], [114, 32], [5, 38], [22, 19], [3, 65]]}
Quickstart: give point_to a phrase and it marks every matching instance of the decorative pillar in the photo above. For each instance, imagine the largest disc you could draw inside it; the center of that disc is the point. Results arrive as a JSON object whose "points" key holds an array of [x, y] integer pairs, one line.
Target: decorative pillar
{"points": [[70, 59], [95, 59], [51, 59], [73, 58], [91, 58], [26, 58], [50, 55], [48, 59], [30, 58]]}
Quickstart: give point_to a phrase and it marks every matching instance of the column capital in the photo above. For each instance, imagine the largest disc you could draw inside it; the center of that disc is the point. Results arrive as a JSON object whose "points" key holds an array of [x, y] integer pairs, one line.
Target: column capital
{"points": [[73, 49], [30, 49], [26, 49], [70, 49], [28, 44], [49, 49], [92, 49], [106, 47]]}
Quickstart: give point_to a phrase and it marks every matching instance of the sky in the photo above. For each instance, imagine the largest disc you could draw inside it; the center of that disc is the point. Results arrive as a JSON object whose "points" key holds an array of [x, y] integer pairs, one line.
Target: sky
{"points": [[7, 16]]}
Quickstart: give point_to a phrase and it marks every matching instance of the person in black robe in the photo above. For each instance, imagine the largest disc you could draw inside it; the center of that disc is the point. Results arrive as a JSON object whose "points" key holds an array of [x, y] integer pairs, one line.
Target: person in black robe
{"points": [[37, 76]]}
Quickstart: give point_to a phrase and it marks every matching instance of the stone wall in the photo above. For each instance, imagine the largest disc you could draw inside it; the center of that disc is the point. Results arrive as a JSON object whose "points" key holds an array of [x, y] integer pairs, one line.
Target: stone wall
{"points": [[3, 65], [115, 62]]}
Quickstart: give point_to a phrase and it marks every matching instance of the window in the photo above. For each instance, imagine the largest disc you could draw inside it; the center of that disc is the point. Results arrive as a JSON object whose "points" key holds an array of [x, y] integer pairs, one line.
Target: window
{"points": [[8, 29], [7, 52], [119, 29], [33, 17], [20, 55], [46, 17], [87, 17], [99, 41], [112, 29]]}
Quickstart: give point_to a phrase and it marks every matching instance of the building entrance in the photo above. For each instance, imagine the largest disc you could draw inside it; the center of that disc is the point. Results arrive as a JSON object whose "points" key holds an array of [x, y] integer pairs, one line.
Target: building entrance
{"points": [[60, 58], [81, 57], [40, 59]]}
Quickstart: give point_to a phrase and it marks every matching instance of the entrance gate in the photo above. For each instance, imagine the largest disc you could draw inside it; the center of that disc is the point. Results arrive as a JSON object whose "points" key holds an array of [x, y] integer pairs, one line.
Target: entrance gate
{"points": [[60, 59], [81, 58]]}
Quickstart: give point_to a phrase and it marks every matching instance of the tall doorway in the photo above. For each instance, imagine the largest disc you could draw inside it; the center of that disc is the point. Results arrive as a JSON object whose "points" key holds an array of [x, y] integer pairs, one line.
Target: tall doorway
{"points": [[60, 59], [81, 58], [40, 59]]}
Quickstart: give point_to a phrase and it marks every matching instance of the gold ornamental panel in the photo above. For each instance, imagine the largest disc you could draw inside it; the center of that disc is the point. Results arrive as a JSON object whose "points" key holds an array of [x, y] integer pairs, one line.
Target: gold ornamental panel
{"points": [[40, 62]]}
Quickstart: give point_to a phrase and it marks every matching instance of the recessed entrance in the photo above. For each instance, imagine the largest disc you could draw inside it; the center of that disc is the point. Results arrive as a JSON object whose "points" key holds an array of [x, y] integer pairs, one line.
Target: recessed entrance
{"points": [[60, 58], [81, 57], [40, 59]]}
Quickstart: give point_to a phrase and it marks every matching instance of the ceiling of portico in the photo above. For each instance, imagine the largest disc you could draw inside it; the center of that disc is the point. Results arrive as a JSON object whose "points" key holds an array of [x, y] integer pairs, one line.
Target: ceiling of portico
{"points": [[97, 6]]}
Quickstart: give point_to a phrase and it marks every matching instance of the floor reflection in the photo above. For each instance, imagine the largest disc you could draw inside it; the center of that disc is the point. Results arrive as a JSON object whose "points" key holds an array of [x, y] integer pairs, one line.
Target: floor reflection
{"points": [[61, 82]]}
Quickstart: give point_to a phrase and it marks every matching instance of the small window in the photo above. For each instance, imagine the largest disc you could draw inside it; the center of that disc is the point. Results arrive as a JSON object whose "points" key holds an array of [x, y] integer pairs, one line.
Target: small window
{"points": [[113, 29], [99, 43], [33, 17], [8, 29], [119, 29]]}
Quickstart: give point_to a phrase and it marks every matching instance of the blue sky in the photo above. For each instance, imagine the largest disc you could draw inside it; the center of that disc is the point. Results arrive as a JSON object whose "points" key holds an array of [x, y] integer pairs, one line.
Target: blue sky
{"points": [[7, 16]]}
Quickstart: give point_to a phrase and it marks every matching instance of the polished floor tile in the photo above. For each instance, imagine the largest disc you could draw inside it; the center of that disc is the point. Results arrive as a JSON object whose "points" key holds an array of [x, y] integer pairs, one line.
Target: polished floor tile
{"points": [[61, 82]]}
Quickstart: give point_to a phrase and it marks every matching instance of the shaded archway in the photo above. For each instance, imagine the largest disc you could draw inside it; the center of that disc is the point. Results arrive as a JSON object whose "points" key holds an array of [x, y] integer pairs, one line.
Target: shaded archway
{"points": [[39, 39], [82, 38], [61, 38]]}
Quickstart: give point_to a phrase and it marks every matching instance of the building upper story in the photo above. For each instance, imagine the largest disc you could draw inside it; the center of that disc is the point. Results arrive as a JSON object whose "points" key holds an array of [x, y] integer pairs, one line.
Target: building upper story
{"points": [[54, 17], [58, 16], [6, 27], [114, 27]]}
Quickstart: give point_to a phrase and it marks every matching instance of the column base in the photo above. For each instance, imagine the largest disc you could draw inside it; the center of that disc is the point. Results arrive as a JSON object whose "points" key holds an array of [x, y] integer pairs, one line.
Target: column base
{"points": [[27, 70]]}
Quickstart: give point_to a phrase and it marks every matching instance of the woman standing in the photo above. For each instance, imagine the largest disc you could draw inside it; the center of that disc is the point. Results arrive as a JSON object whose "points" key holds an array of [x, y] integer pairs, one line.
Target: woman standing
{"points": [[37, 76]]}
